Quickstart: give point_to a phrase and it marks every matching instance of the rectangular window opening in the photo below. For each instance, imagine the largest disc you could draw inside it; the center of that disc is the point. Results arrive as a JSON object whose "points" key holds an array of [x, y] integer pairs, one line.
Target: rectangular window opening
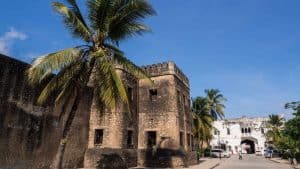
{"points": [[188, 139], [130, 139], [228, 131], [151, 139], [98, 136], [181, 139], [130, 93], [153, 94]]}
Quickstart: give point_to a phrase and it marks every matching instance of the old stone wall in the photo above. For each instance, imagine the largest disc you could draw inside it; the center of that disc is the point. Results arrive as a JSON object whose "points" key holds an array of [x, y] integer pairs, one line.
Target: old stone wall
{"points": [[29, 134], [115, 125], [164, 108]]}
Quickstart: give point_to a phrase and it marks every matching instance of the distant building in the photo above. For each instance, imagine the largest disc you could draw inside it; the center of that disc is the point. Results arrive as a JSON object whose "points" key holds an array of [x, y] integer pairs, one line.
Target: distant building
{"points": [[245, 134]]}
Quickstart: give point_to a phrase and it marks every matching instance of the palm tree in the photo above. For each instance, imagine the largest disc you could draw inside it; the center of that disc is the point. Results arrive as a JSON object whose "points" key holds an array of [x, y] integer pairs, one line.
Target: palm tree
{"points": [[275, 124], [202, 120], [294, 106], [70, 71], [215, 103]]}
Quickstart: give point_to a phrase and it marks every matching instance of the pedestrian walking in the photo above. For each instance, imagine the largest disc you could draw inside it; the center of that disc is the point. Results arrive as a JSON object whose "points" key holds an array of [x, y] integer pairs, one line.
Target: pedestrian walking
{"points": [[240, 155]]}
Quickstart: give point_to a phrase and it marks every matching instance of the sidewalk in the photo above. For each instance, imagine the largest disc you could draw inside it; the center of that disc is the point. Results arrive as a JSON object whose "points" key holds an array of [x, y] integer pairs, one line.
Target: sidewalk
{"points": [[208, 163], [284, 161]]}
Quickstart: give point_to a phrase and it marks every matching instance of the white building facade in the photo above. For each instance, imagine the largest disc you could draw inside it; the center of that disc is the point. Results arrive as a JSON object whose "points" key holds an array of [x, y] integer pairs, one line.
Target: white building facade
{"points": [[245, 134]]}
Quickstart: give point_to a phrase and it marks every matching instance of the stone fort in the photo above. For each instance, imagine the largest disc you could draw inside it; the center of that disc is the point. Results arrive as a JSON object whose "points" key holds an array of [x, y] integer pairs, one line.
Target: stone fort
{"points": [[154, 130]]}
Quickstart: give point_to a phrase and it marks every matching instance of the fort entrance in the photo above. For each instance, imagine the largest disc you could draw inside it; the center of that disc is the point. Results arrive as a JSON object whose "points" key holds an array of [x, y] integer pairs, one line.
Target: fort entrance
{"points": [[248, 146]]}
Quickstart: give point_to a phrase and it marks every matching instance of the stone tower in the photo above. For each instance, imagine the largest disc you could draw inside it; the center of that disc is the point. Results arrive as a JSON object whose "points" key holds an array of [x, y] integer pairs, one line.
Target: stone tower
{"points": [[158, 131], [164, 117]]}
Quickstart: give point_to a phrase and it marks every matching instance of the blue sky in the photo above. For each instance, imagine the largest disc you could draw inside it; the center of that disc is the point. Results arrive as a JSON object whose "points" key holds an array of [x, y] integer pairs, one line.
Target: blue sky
{"points": [[247, 49]]}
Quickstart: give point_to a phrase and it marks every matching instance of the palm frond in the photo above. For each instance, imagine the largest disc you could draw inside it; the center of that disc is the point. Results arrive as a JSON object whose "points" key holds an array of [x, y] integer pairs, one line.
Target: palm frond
{"points": [[76, 25], [120, 59], [99, 11], [110, 86], [44, 66], [127, 19], [61, 82], [74, 7]]}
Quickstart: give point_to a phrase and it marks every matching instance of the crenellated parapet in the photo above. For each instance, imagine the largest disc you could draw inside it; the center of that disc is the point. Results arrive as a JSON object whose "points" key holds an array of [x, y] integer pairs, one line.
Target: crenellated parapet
{"points": [[166, 68]]}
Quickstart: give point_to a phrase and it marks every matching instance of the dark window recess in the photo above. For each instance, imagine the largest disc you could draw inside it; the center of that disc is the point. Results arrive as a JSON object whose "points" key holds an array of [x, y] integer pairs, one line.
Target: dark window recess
{"points": [[151, 138], [216, 132], [242, 130], [249, 130], [98, 136], [130, 139], [183, 100], [262, 130], [188, 139], [193, 144], [181, 138], [130, 93], [153, 94], [178, 97], [228, 131]]}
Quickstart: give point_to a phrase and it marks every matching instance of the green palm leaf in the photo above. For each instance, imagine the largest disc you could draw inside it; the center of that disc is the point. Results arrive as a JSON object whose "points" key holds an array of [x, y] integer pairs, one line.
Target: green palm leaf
{"points": [[76, 26], [44, 66]]}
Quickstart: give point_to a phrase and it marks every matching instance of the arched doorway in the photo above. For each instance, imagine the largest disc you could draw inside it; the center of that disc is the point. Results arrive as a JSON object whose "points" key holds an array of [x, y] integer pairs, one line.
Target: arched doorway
{"points": [[248, 146]]}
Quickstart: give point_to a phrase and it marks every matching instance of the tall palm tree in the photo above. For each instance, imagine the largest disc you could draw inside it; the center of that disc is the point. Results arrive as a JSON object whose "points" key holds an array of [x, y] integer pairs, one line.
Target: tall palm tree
{"points": [[275, 124], [202, 120], [69, 71], [216, 103]]}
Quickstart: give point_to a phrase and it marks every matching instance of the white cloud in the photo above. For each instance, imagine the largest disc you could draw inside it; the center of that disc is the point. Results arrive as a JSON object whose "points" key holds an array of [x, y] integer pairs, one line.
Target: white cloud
{"points": [[9, 38]]}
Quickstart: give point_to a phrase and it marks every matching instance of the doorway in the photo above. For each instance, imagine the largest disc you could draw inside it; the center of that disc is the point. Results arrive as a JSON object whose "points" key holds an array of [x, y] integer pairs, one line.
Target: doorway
{"points": [[248, 146]]}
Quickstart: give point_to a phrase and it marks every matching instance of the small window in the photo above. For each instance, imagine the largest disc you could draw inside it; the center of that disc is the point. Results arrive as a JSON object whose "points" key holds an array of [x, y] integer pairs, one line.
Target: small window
{"points": [[262, 130], [178, 97], [249, 130], [151, 138], [98, 136], [183, 99], [188, 139], [130, 139], [181, 139], [193, 144], [153, 94], [243, 130], [216, 132], [228, 131], [130, 93]]}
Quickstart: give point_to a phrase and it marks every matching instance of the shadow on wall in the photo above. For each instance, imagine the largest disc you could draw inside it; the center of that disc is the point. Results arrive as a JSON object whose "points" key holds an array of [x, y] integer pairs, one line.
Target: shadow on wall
{"points": [[22, 137], [111, 161]]}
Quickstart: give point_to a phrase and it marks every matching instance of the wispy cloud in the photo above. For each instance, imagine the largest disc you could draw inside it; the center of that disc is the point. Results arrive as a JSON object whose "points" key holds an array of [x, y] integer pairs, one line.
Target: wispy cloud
{"points": [[8, 38]]}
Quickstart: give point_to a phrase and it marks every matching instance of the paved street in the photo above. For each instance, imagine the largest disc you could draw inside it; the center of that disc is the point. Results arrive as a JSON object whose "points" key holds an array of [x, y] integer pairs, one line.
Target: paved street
{"points": [[251, 162]]}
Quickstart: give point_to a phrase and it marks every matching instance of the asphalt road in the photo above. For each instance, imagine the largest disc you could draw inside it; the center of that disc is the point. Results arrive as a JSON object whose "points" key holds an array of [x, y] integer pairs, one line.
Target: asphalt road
{"points": [[251, 162]]}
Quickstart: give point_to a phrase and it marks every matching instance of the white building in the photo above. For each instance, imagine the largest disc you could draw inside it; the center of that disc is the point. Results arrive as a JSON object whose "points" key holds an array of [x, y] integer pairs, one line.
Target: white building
{"points": [[246, 134]]}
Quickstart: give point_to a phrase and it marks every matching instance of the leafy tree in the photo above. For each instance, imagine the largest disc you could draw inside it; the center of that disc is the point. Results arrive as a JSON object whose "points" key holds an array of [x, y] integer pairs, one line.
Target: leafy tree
{"points": [[291, 130], [69, 71], [202, 120], [216, 106], [275, 124], [294, 106]]}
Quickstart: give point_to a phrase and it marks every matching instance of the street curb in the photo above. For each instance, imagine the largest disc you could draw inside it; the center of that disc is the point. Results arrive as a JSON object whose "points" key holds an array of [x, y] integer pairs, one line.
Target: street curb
{"points": [[216, 165], [274, 161]]}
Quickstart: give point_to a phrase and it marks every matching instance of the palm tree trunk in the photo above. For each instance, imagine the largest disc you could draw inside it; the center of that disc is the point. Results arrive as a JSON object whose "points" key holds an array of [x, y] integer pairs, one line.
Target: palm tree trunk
{"points": [[201, 145], [57, 163]]}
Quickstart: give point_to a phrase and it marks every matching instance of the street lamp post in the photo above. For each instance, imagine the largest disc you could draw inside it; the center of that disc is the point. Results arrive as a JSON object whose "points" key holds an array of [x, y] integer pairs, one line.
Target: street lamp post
{"points": [[219, 143]]}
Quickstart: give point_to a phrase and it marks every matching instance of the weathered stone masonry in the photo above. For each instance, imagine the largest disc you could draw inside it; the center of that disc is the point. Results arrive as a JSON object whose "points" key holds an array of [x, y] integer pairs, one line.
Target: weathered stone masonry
{"points": [[161, 128], [154, 131]]}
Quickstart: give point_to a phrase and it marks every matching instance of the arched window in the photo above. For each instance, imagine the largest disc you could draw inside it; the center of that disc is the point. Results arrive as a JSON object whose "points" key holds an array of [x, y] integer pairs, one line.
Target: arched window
{"points": [[249, 130], [243, 130]]}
